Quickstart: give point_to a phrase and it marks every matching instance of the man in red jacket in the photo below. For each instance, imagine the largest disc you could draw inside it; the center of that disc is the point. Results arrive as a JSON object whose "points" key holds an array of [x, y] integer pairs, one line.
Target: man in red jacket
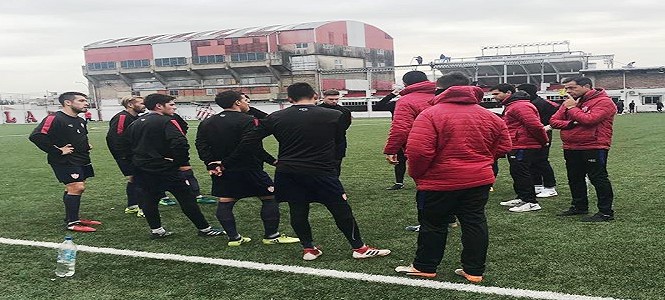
{"points": [[528, 136], [450, 152], [585, 119]]}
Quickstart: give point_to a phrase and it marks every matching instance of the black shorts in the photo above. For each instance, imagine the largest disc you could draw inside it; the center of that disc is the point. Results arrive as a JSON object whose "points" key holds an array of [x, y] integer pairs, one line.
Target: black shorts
{"points": [[242, 184], [308, 188], [68, 174], [126, 167]]}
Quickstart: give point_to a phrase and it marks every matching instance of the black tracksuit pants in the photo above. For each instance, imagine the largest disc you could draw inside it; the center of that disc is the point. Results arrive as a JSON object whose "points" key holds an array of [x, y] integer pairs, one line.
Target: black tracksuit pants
{"points": [[434, 210], [593, 163], [176, 182], [541, 170], [400, 167], [521, 162]]}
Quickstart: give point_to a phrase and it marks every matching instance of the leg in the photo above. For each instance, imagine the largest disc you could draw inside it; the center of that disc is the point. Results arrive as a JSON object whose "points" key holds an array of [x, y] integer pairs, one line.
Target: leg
{"points": [[72, 200], [177, 185], [576, 172], [475, 237], [226, 218], [149, 202], [549, 180], [346, 222], [520, 163], [597, 170], [434, 208], [270, 216], [299, 212], [400, 167]]}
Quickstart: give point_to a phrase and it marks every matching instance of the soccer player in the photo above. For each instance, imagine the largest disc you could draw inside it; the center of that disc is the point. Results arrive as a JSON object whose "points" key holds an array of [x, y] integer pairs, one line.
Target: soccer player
{"points": [[133, 107], [306, 167], [240, 178], [331, 100], [64, 137], [159, 152]]}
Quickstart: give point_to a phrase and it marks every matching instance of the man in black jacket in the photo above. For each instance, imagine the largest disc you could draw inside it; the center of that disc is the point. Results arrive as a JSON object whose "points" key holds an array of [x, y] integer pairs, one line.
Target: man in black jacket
{"points": [[240, 178], [542, 173], [158, 150], [307, 167], [331, 100], [64, 137], [133, 107]]}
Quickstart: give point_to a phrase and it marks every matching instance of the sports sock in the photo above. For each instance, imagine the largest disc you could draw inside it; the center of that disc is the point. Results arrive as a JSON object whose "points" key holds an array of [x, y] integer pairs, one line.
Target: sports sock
{"points": [[270, 216], [72, 204], [225, 216]]}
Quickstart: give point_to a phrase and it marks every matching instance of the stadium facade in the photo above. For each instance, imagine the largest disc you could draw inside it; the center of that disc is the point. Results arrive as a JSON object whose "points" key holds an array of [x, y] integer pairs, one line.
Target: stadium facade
{"points": [[259, 61]]}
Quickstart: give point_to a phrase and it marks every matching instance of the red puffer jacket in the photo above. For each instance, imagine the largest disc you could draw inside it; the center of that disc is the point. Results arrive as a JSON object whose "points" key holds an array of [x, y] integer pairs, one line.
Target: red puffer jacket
{"points": [[589, 124], [414, 99], [523, 121], [453, 144]]}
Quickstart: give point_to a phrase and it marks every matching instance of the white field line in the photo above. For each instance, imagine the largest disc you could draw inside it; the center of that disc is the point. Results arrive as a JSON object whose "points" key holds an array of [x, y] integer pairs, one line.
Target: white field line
{"points": [[318, 272], [12, 135]]}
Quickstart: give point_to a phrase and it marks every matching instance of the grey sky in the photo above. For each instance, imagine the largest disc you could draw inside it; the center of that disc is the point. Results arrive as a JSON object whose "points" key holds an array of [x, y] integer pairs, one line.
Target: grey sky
{"points": [[41, 40]]}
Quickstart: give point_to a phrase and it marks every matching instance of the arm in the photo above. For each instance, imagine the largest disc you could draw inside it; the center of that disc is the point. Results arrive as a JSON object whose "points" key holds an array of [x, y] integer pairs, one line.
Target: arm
{"points": [[202, 145], [559, 120], [400, 127], [384, 103], [177, 143], [250, 140], [531, 122], [597, 114], [41, 138], [421, 145], [502, 144], [346, 119]]}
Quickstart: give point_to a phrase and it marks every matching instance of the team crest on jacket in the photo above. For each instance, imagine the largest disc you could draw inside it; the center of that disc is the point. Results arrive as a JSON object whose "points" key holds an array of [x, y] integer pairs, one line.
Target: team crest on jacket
{"points": [[271, 189], [585, 109], [75, 176]]}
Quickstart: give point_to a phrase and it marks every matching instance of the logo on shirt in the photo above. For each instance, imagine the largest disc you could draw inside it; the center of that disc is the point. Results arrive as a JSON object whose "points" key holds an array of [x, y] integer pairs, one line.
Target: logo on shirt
{"points": [[70, 125], [344, 197], [303, 109], [74, 175], [271, 189], [585, 109]]}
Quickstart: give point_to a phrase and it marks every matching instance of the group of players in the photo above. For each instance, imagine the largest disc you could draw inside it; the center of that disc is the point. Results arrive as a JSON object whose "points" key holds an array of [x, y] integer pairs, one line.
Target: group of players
{"points": [[451, 146]]}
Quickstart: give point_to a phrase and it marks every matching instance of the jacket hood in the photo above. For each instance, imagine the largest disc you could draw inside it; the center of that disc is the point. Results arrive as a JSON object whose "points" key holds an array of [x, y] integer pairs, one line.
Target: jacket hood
{"points": [[515, 97], [460, 94], [594, 93], [427, 87]]}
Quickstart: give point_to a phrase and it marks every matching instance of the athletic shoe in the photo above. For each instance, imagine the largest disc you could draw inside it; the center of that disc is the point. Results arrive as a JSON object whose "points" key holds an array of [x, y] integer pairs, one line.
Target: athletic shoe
{"points": [[538, 188], [311, 253], [491, 189], [396, 186], [205, 200], [411, 271], [167, 202], [239, 242], [527, 206], [572, 211], [282, 239], [132, 209], [85, 222], [212, 232], [80, 228], [414, 228], [511, 203], [598, 217], [471, 278], [546, 193], [140, 214], [160, 235], [368, 252]]}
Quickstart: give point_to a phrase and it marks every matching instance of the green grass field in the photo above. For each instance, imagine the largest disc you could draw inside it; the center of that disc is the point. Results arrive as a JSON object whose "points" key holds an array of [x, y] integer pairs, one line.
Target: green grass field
{"points": [[534, 251]]}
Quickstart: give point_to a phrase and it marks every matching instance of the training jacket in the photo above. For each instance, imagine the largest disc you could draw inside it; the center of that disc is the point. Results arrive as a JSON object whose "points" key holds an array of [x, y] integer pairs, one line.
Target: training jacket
{"points": [[588, 125], [155, 143], [117, 127], [523, 121], [453, 144], [58, 130], [414, 99]]}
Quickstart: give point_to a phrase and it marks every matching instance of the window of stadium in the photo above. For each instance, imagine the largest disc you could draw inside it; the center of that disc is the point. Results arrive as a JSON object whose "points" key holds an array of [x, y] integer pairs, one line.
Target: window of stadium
{"points": [[173, 93], [132, 64], [170, 61], [105, 65], [650, 99], [211, 92], [301, 45]]}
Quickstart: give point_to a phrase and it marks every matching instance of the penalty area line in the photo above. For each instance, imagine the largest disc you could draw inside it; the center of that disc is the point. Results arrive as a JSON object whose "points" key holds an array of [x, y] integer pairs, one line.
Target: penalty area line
{"points": [[317, 272]]}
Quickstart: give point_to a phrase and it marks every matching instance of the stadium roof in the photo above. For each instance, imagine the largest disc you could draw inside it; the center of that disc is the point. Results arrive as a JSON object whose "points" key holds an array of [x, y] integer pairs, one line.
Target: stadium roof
{"points": [[204, 35]]}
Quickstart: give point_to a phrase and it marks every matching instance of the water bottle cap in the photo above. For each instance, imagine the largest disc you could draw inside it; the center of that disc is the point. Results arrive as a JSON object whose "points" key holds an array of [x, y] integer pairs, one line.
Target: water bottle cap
{"points": [[68, 238]]}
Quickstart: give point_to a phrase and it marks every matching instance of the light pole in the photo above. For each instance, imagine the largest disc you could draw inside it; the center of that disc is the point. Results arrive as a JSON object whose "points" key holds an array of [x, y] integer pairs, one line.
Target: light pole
{"points": [[94, 98]]}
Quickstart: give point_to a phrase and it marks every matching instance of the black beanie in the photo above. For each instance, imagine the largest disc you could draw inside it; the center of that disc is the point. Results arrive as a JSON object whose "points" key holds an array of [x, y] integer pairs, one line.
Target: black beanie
{"points": [[412, 77]]}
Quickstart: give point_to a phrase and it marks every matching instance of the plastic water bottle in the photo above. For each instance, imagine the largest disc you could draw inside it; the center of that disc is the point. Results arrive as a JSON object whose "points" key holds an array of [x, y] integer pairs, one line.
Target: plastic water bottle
{"points": [[66, 263]]}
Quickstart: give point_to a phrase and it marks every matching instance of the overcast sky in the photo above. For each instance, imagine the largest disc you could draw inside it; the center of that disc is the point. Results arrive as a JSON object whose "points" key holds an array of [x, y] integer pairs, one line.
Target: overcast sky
{"points": [[41, 41]]}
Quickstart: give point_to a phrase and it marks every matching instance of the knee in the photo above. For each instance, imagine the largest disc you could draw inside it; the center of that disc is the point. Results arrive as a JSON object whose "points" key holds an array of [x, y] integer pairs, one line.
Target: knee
{"points": [[76, 188]]}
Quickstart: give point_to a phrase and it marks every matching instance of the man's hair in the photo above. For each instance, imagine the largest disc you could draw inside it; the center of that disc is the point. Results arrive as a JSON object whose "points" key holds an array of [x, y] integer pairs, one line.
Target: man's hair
{"points": [[245, 95], [69, 96], [452, 79], [125, 101], [529, 88], [331, 92], [503, 87], [152, 100], [412, 77], [579, 80], [226, 99], [300, 90]]}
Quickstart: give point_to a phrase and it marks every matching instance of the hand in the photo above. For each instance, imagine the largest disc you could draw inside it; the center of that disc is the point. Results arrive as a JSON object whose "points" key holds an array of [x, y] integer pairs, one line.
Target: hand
{"points": [[66, 149], [89, 147], [217, 171], [547, 128], [392, 159], [275, 162], [569, 102]]}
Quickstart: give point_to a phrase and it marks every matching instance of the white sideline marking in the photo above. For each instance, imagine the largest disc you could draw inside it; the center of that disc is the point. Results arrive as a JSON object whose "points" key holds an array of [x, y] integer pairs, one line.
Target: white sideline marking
{"points": [[318, 272], [12, 135]]}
